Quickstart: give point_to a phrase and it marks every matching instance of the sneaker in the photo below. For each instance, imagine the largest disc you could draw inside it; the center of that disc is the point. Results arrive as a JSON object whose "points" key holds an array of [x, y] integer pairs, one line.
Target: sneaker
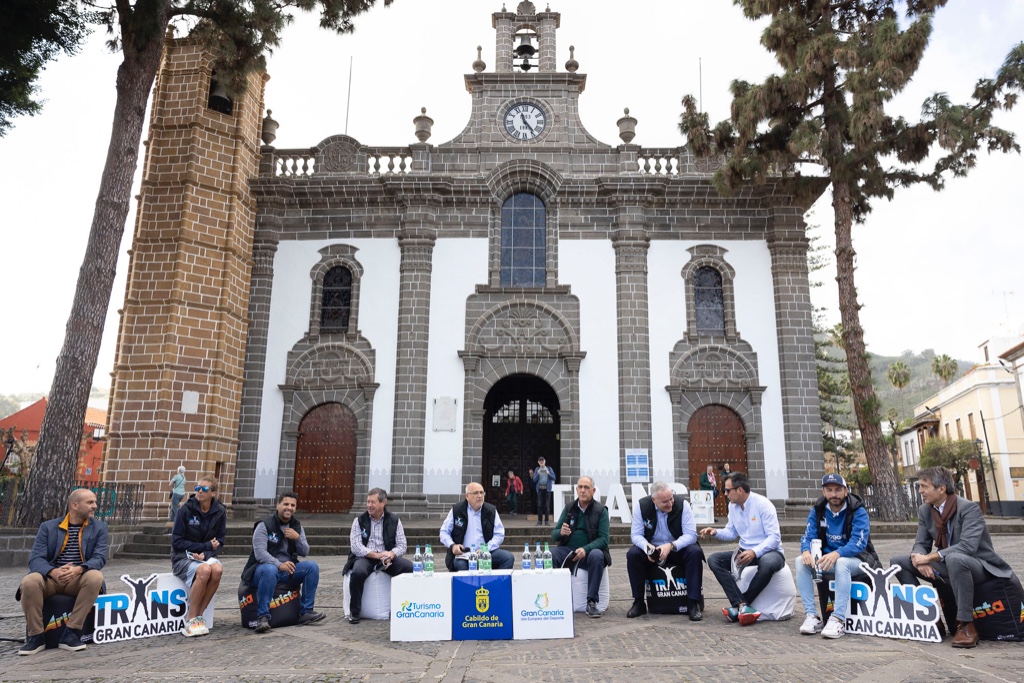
{"points": [[811, 625], [203, 628], [33, 644], [192, 628], [310, 618], [639, 608], [592, 611], [748, 615], [262, 625], [835, 628], [69, 640], [731, 614]]}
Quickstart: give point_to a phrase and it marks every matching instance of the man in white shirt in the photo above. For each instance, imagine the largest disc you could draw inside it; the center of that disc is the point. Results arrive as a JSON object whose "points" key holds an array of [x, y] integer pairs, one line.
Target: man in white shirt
{"points": [[754, 521], [474, 522]]}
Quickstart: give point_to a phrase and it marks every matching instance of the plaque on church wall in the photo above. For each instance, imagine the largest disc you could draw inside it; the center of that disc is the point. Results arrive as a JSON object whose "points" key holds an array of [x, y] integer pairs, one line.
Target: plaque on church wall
{"points": [[444, 414]]}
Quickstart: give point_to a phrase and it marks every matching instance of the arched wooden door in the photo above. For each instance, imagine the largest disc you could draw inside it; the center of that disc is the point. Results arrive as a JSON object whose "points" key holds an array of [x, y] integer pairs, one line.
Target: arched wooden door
{"points": [[325, 459], [717, 437], [521, 424]]}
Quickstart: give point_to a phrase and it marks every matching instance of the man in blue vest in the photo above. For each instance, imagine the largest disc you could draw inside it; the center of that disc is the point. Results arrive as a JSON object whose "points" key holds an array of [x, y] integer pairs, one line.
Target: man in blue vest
{"points": [[664, 532], [582, 533], [840, 521], [66, 559], [378, 543], [277, 543], [474, 522]]}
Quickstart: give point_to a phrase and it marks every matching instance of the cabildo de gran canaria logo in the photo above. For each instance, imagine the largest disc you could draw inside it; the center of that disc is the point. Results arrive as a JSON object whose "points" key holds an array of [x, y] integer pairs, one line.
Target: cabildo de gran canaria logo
{"points": [[542, 613], [483, 600], [419, 610]]}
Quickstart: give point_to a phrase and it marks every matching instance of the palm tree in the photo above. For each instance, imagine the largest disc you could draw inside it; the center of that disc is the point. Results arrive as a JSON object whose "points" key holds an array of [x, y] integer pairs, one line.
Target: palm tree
{"points": [[899, 376], [945, 368]]}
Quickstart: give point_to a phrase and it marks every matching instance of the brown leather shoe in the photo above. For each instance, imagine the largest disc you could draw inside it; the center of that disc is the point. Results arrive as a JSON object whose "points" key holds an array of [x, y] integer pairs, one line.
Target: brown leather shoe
{"points": [[966, 634]]}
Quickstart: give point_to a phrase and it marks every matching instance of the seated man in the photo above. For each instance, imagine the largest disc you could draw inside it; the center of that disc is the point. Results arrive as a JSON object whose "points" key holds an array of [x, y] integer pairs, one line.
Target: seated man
{"points": [[753, 520], [378, 543], [474, 522], [582, 533], [66, 558], [664, 532], [277, 542], [840, 521], [963, 555]]}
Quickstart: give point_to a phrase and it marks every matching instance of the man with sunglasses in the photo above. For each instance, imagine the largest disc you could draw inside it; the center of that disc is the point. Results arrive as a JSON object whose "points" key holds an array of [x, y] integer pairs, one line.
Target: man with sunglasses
{"points": [[196, 540], [582, 533], [754, 521]]}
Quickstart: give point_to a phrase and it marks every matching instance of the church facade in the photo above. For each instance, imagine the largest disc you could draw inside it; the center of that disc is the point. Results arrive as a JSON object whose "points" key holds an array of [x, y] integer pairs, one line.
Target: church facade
{"points": [[345, 316]]}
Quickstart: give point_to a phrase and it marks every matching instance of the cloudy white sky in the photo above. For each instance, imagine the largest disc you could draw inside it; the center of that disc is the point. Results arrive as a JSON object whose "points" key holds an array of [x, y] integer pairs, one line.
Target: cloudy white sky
{"points": [[935, 271]]}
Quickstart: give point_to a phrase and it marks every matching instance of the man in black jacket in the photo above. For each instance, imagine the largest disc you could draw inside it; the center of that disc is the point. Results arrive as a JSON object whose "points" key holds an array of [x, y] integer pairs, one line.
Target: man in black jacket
{"points": [[664, 532], [277, 543], [378, 543], [474, 522], [582, 533], [66, 558]]}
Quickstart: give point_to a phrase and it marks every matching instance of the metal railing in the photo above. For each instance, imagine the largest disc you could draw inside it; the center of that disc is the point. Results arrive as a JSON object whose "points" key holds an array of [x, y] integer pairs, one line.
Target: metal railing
{"points": [[116, 503]]}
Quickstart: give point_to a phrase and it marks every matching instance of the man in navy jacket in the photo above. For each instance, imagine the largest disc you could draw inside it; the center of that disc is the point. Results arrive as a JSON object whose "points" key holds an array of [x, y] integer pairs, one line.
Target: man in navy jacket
{"points": [[66, 558]]}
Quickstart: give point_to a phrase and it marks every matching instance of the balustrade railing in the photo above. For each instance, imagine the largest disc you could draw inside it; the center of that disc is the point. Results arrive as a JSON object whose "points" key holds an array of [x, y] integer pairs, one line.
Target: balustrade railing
{"points": [[305, 163]]}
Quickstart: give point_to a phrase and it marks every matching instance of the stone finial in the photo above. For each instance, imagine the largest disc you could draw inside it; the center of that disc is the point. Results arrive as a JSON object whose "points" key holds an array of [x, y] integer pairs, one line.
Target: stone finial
{"points": [[269, 133], [478, 64], [423, 124], [572, 64], [627, 127], [526, 8]]}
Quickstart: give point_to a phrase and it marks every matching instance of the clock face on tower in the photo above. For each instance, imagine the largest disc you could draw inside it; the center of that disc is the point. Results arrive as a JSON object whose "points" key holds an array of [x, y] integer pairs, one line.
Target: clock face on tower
{"points": [[524, 121]]}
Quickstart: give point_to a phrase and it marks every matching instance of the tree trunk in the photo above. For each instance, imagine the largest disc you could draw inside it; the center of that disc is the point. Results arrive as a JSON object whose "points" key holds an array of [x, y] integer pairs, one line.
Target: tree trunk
{"points": [[889, 498], [53, 465]]}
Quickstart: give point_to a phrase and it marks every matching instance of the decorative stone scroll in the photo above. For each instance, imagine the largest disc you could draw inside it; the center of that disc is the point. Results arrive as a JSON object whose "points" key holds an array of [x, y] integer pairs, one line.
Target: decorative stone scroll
{"points": [[333, 365], [714, 367], [522, 328]]}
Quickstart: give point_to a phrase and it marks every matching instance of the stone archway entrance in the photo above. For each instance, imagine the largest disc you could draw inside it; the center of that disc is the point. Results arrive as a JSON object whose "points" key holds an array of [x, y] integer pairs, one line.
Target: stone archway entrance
{"points": [[717, 436], [521, 424], [325, 459]]}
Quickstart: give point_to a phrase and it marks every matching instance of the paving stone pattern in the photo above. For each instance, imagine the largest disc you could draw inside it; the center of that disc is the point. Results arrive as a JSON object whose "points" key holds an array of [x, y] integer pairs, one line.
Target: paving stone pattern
{"points": [[613, 648]]}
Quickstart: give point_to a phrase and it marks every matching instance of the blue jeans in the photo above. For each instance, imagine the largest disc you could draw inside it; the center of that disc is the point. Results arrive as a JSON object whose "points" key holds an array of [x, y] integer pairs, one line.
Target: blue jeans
{"points": [[175, 502], [267, 577], [844, 570]]}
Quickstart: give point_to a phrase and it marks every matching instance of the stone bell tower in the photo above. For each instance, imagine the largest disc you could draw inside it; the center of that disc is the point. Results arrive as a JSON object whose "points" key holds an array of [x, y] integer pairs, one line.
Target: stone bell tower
{"points": [[177, 377], [525, 40]]}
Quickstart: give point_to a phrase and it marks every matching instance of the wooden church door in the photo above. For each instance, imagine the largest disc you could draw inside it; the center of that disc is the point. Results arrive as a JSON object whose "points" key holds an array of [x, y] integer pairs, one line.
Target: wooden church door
{"points": [[325, 459]]}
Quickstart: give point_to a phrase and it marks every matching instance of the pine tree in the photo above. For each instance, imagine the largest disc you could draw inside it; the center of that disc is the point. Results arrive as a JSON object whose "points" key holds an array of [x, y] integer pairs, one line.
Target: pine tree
{"points": [[239, 33], [841, 63]]}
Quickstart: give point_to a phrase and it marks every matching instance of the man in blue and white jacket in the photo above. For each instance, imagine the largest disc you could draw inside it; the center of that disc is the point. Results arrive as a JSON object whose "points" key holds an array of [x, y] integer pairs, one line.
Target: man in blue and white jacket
{"points": [[754, 521], [840, 521]]}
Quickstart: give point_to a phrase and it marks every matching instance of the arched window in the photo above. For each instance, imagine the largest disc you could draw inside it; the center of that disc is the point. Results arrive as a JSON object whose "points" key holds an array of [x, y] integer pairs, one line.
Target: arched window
{"points": [[523, 237], [709, 301], [336, 304]]}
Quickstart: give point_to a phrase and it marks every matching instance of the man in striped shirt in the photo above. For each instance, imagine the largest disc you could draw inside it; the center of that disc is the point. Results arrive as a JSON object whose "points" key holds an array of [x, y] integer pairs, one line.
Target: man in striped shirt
{"points": [[66, 559], [378, 543]]}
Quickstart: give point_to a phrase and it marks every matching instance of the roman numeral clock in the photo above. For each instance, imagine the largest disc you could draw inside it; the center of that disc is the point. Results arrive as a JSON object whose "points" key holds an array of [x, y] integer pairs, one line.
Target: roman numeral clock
{"points": [[524, 121]]}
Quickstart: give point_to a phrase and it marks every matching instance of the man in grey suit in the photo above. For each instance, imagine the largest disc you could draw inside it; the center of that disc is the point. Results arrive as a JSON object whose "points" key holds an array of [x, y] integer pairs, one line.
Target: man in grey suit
{"points": [[963, 556]]}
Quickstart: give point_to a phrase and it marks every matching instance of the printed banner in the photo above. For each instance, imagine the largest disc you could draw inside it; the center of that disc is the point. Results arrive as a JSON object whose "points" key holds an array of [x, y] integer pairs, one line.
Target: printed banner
{"points": [[482, 606], [542, 605], [901, 611], [421, 607], [141, 613]]}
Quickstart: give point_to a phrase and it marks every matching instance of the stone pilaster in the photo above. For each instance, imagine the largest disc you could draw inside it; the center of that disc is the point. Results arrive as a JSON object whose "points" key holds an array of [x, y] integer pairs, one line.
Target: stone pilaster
{"points": [[416, 240], [787, 243], [264, 250], [633, 339], [502, 23]]}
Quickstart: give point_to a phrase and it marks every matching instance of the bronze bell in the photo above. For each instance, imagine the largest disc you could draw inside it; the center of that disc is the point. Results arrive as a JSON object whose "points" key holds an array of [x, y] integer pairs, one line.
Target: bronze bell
{"points": [[526, 48]]}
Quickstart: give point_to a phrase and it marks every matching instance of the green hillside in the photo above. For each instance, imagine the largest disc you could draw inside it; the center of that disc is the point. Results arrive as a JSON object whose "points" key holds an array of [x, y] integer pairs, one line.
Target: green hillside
{"points": [[922, 382]]}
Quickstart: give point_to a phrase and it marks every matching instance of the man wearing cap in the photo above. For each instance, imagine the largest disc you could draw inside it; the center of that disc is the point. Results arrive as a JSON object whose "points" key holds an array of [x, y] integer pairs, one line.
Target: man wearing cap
{"points": [[963, 556], [840, 521], [754, 521]]}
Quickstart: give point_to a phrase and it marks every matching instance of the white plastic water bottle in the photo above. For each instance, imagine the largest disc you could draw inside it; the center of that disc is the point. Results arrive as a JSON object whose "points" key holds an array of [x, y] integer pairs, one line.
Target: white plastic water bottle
{"points": [[472, 561], [527, 561], [417, 563], [547, 559], [538, 559], [428, 562], [485, 560], [816, 556]]}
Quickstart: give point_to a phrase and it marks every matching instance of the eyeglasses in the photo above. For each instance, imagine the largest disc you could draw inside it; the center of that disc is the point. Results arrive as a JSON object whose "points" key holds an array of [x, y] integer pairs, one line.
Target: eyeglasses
{"points": [[476, 493], [204, 489], [728, 490]]}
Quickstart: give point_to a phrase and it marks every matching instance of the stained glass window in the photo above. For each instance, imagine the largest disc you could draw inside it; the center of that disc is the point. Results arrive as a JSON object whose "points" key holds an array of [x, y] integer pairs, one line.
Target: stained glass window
{"points": [[336, 303], [708, 301], [523, 249]]}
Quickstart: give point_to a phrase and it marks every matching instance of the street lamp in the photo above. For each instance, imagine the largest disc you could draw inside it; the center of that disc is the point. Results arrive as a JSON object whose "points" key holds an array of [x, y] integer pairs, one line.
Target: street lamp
{"points": [[979, 464]]}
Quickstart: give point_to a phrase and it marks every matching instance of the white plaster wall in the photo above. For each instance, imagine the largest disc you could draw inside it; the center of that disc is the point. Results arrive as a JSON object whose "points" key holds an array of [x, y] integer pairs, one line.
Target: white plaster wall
{"points": [[289, 321], [755, 322], [588, 267], [458, 266], [1001, 443]]}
